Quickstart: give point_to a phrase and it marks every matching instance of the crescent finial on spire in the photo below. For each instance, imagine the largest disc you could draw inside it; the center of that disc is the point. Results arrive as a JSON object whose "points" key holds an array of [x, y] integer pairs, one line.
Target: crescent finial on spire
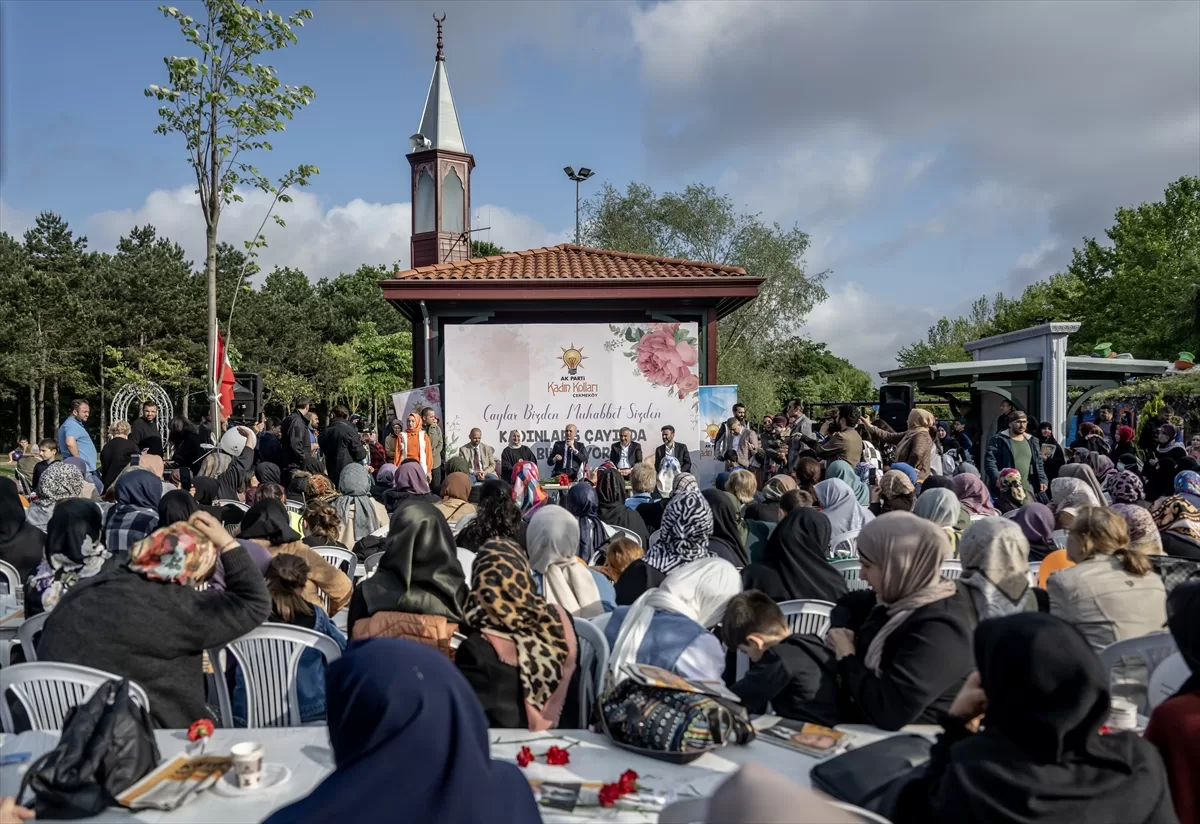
{"points": [[441, 57]]}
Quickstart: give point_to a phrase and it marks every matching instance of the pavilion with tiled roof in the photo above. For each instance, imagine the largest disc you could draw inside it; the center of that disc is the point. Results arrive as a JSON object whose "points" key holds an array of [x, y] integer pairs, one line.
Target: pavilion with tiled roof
{"points": [[559, 285]]}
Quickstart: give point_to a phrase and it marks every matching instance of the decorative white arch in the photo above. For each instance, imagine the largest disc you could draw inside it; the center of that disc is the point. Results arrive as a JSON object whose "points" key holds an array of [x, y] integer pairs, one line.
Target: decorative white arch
{"points": [[142, 392]]}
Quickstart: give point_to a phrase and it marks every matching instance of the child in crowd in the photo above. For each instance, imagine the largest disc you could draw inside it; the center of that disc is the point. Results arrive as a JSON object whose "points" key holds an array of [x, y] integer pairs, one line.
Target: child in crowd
{"points": [[286, 578], [48, 449], [322, 526], [619, 554], [794, 674], [794, 499]]}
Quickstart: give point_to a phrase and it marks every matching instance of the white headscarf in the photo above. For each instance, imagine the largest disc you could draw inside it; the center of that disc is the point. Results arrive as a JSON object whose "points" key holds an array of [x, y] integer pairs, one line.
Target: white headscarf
{"points": [[995, 559], [666, 476], [839, 505], [699, 590], [1071, 495], [553, 541]]}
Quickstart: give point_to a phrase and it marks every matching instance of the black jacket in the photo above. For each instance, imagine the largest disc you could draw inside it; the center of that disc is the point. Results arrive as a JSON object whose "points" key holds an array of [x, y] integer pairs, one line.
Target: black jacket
{"points": [[571, 459], [797, 677], [294, 435], [154, 633], [681, 454], [635, 454], [114, 457], [636, 579], [341, 445], [141, 429], [510, 457]]}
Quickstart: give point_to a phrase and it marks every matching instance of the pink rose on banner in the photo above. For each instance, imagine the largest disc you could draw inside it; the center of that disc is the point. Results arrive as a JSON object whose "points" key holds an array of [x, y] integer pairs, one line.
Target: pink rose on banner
{"points": [[433, 394], [662, 360], [689, 384]]}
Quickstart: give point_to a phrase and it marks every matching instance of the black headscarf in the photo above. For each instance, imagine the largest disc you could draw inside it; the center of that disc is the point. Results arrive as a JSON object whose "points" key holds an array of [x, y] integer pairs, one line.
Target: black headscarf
{"points": [[268, 521], [206, 489], [796, 553], [268, 473], [584, 504], [1183, 619], [175, 506], [610, 486], [419, 571], [938, 482], [1041, 756], [20, 543], [610, 490], [73, 520], [728, 525]]}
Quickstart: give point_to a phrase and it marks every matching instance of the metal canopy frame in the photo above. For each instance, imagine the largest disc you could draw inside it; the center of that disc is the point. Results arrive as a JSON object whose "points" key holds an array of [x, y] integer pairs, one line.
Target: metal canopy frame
{"points": [[142, 392]]}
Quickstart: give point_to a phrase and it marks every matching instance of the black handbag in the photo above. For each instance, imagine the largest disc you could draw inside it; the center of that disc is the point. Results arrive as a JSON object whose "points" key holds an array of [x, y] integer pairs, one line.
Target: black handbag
{"points": [[107, 745], [873, 776]]}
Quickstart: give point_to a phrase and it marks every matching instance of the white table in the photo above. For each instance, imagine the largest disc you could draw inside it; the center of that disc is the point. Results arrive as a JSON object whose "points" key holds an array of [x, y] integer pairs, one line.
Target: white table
{"points": [[306, 752], [12, 616]]}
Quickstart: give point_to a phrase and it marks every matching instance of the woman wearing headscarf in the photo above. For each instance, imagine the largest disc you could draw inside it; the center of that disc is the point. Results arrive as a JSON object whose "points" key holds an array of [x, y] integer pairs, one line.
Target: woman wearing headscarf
{"points": [[582, 502], [409, 484], [995, 562], [456, 489], [844, 512], [359, 513], [527, 488], [176, 506], [88, 490], [418, 590], [1126, 488], [973, 495], [900, 466], [843, 472], [1143, 532], [149, 624], [1068, 495], [21, 544], [1174, 726], [610, 495], [794, 565], [687, 527], [410, 443], [1102, 467], [896, 493], [915, 446], [520, 654], [768, 510], [135, 513], [388, 700], [58, 482], [264, 473], [1164, 463], [267, 524], [74, 552], [1178, 522], [1011, 494], [906, 661], [729, 530], [561, 575], [1125, 444], [942, 508], [1036, 521], [668, 626], [1041, 757], [1187, 486]]}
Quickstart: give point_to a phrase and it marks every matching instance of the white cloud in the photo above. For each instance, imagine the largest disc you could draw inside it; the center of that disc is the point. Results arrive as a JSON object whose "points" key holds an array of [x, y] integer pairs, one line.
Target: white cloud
{"points": [[1035, 257], [14, 221], [918, 166], [865, 329], [322, 241]]}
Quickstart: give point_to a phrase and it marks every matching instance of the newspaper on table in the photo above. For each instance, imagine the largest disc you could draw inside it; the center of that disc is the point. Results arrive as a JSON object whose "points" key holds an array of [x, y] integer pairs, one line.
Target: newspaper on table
{"points": [[568, 796], [803, 737], [649, 676], [175, 782]]}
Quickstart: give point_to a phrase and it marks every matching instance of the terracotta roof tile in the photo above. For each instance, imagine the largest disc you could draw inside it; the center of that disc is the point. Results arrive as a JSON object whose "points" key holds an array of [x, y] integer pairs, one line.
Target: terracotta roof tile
{"points": [[568, 262]]}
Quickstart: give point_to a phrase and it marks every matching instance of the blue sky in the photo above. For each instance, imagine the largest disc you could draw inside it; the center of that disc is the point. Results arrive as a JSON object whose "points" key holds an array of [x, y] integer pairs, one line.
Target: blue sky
{"points": [[934, 152]]}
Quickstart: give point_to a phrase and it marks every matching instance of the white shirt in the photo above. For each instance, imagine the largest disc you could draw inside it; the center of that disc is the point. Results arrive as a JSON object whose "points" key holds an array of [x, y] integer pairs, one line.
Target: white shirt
{"points": [[623, 461]]}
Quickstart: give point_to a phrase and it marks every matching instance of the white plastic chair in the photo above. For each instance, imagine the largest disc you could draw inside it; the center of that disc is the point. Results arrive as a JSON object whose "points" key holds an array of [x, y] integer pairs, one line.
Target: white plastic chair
{"points": [[372, 562], [866, 816], [1034, 567], [268, 657], [850, 568], [684, 811], [294, 506], [461, 524], [343, 559], [850, 538], [622, 532], [600, 622], [593, 663], [26, 633], [1152, 649], [12, 579], [1060, 538], [1166, 679], [48, 690], [807, 616], [952, 570], [231, 502]]}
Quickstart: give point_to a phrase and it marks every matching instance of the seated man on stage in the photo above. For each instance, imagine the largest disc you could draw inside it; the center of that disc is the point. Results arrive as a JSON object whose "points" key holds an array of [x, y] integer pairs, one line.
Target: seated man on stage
{"points": [[669, 447], [513, 454], [568, 455], [480, 457], [625, 453]]}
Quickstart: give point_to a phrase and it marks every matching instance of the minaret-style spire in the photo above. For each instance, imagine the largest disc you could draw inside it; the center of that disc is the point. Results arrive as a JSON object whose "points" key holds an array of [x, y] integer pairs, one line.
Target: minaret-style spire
{"points": [[439, 121], [441, 58]]}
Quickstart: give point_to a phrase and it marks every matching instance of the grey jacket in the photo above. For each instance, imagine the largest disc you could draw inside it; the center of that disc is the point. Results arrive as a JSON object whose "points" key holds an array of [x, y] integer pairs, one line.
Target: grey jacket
{"points": [[435, 440], [1105, 602]]}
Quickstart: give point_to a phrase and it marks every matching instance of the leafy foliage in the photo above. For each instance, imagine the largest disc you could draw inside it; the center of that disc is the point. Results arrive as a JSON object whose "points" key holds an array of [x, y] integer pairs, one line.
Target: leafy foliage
{"points": [[484, 248]]}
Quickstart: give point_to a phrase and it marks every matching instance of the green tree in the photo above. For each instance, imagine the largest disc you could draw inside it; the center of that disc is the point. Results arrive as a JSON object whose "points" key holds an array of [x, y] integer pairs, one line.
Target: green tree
{"points": [[947, 338], [226, 104], [484, 248]]}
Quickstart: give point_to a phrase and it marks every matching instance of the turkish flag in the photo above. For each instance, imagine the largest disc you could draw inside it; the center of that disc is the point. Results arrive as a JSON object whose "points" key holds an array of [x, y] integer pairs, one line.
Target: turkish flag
{"points": [[224, 379]]}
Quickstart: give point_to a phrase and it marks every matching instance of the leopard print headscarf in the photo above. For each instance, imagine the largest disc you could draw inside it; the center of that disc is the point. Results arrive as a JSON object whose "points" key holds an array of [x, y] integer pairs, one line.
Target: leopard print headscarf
{"points": [[505, 603]]}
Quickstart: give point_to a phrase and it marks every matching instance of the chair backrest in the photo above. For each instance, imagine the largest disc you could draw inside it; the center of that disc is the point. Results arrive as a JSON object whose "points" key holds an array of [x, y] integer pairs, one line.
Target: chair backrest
{"points": [[1034, 567], [593, 664], [952, 569], [343, 559], [654, 537], [48, 690], [622, 532], [461, 524], [10, 579], [230, 502], [1166, 679], [850, 569], [269, 656], [601, 621], [684, 811], [372, 562], [294, 506], [27, 634], [1060, 538], [865, 816], [807, 616], [844, 545], [1152, 649]]}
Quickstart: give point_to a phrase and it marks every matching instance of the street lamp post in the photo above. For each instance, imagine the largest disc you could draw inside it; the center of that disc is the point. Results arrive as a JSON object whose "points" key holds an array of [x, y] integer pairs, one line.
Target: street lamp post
{"points": [[580, 176]]}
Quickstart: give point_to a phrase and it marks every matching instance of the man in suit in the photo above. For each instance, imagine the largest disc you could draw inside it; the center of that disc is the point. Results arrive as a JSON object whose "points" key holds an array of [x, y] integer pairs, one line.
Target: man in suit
{"points": [[480, 457], [669, 447], [340, 444], [739, 412], [567, 455], [740, 440], [513, 454], [294, 435], [625, 453]]}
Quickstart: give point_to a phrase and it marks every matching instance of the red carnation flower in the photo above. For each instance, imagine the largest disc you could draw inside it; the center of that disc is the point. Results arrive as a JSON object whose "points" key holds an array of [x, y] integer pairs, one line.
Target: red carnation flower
{"points": [[200, 729], [557, 756], [628, 782], [564, 479], [609, 794], [524, 757]]}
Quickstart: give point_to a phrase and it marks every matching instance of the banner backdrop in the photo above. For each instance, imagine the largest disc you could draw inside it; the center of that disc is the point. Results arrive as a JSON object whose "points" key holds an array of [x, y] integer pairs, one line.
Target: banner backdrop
{"points": [[411, 400], [716, 406], [539, 378]]}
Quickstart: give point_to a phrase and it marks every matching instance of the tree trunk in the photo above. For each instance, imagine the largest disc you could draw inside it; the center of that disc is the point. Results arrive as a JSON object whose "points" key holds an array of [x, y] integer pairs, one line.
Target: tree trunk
{"points": [[214, 409], [41, 407], [103, 404], [183, 407], [54, 410], [33, 427]]}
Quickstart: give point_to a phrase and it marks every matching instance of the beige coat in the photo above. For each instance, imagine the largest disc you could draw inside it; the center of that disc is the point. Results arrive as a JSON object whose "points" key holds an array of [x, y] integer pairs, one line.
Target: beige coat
{"points": [[348, 536], [322, 576], [1105, 602]]}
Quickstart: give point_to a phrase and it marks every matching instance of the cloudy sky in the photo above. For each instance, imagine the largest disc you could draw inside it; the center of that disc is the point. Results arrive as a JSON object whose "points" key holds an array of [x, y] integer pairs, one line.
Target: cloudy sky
{"points": [[934, 151]]}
